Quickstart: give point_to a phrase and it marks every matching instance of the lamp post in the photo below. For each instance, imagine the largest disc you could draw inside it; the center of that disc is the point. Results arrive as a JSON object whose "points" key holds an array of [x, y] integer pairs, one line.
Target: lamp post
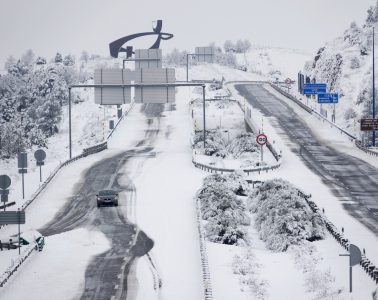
{"points": [[373, 141], [187, 64]]}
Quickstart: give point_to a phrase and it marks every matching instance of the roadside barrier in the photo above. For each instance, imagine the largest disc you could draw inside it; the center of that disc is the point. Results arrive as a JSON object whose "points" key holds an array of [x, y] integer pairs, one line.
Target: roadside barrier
{"points": [[13, 269], [212, 169], [204, 260], [365, 263], [310, 110], [366, 150]]}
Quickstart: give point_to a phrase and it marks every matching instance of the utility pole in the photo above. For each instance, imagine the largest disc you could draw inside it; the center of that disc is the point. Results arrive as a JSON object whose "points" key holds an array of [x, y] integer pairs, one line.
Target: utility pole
{"points": [[373, 141]]}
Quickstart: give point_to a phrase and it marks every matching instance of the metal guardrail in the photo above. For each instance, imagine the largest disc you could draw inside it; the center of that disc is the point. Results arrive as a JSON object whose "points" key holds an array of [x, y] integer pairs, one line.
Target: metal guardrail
{"points": [[365, 263], [119, 121], [204, 260], [291, 97], [366, 150], [88, 151], [13, 269], [310, 110], [212, 169]]}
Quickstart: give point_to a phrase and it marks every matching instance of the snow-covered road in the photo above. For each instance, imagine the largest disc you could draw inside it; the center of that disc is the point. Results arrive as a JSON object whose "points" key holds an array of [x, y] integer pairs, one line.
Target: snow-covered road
{"points": [[352, 180], [152, 139]]}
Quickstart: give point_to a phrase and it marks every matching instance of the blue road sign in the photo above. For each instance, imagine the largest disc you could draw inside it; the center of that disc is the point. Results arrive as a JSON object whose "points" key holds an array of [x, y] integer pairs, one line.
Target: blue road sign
{"points": [[328, 98], [314, 88]]}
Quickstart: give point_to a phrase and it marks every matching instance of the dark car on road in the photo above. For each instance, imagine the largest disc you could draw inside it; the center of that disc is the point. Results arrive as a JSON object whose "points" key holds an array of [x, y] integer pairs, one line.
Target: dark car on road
{"points": [[107, 197]]}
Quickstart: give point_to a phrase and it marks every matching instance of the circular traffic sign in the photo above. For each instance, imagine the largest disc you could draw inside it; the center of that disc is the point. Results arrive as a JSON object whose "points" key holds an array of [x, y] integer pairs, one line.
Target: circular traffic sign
{"points": [[287, 80], [5, 182], [40, 155], [261, 139]]}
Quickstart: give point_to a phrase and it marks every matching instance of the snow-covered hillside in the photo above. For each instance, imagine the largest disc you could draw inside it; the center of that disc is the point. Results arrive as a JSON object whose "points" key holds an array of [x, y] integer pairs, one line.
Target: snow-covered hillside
{"points": [[275, 63], [345, 65]]}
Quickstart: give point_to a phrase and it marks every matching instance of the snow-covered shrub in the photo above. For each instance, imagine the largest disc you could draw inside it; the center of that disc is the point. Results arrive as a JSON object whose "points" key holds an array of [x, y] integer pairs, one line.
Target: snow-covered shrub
{"points": [[350, 113], [317, 57], [223, 210], [243, 143], [283, 218], [365, 95], [355, 63], [31, 103], [372, 16], [353, 34], [217, 198], [240, 46], [229, 46], [215, 146], [224, 229], [248, 270], [69, 60], [322, 284], [40, 61], [226, 59], [234, 181], [319, 282], [58, 58], [176, 58]]}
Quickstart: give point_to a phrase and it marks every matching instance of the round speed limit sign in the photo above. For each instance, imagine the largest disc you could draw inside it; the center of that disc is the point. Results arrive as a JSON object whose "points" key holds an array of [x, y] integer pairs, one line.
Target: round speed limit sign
{"points": [[261, 139]]}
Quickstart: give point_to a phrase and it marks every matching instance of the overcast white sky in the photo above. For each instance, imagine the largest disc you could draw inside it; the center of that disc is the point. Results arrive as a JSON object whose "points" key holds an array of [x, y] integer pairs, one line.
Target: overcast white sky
{"points": [[69, 26]]}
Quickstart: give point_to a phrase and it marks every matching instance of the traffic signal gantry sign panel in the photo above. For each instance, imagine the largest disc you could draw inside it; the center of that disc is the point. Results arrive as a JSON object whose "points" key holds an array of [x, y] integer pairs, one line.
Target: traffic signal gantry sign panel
{"points": [[205, 54], [113, 95], [155, 94], [148, 58]]}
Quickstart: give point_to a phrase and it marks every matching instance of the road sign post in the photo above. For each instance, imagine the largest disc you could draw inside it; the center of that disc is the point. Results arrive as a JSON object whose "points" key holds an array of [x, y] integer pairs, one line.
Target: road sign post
{"points": [[354, 259], [5, 183], [40, 156], [22, 158], [262, 139]]}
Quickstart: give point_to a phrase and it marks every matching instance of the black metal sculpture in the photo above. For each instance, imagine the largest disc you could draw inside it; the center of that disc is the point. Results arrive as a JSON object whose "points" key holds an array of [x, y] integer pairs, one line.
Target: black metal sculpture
{"points": [[116, 46]]}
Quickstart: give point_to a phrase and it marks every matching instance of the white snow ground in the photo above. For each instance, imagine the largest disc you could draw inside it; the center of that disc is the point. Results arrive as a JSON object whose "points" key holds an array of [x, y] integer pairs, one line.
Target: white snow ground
{"points": [[166, 207]]}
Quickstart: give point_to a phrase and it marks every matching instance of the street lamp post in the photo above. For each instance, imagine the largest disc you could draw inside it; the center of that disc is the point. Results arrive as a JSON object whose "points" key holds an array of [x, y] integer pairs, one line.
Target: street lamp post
{"points": [[373, 141]]}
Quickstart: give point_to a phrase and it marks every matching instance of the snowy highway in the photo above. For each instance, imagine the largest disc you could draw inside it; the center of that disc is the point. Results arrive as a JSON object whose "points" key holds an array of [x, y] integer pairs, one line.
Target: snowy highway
{"points": [[353, 181], [110, 269]]}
